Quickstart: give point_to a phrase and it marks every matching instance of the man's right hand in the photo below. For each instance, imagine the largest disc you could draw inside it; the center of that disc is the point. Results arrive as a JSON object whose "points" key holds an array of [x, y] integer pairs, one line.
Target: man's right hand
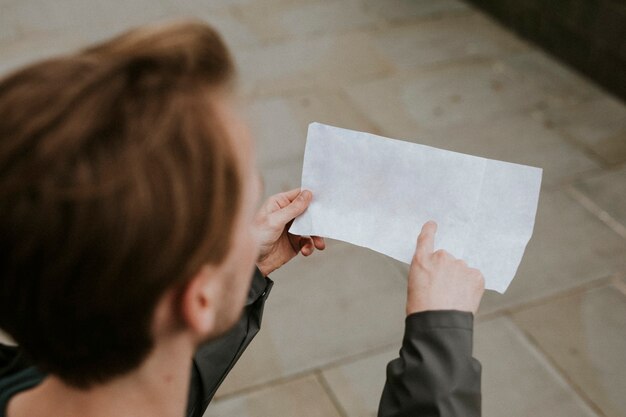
{"points": [[439, 281]]}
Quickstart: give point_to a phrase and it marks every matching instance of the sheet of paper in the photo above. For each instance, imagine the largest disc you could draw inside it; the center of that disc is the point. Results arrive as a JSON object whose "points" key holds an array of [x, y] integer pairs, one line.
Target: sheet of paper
{"points": [[377, 192]]}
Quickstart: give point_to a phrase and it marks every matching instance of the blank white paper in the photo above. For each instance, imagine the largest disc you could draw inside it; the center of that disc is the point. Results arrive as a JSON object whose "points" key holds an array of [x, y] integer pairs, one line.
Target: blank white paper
{"points": [[377, 192]]}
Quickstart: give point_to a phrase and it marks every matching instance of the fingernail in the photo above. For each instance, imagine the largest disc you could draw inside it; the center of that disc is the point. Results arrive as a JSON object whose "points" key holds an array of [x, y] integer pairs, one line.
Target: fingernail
{"points": [[304, 195]]}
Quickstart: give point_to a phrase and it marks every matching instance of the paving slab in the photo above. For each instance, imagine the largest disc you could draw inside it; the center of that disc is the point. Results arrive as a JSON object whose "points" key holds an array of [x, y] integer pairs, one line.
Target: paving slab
{"points": [[358, 385], [196, 6], [585, 335], [454, 38], [403, 11], [517, 138], [276, 21], [73, 31], [560, 84], [408, 105], [516, 379], [282, 177], [80, 16], [599, 124], [457, 94], [338, 303], [303, 65], [8, 30], [29, 49], [236, 33], [280, 124], [303, 397], [608, 191]]}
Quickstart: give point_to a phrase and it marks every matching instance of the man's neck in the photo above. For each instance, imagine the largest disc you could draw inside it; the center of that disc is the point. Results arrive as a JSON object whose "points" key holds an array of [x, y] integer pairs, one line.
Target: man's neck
{"points": [[159, 388]]}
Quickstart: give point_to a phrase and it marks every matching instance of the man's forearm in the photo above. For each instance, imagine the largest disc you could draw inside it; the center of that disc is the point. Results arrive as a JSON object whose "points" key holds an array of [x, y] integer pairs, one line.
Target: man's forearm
{"points": [[435, 374]]}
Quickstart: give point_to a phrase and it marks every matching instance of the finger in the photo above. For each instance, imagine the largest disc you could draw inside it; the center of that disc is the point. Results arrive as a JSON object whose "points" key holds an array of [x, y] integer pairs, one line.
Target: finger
{"points": [[295, 242], [291, 194], [304, 241], [306, 246], [319, 242], [426, 239], [280, 200], [295, 208]]}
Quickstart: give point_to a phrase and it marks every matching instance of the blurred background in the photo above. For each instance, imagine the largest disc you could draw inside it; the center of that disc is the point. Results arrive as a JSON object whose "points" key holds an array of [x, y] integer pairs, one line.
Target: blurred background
{"points": [[442, 73]]}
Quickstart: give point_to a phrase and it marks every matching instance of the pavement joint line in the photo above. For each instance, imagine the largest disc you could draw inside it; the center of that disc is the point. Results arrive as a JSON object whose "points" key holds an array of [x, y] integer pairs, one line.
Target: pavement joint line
{"points": [[319, 91], [398, 266], [480, 318], [576, 389], [453, 63], [262, 385], [330, 393], [346, 360], [619, 284], [585, 148], [392, 23], [313, 36], [375, 27], [257, 91], [572, 179], [373, 126], [525, 305], [367, 29], [595, 209]]}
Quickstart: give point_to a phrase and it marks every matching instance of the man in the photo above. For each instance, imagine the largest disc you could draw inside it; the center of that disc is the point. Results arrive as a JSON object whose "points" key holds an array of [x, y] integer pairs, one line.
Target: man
{"points": [[130, 230]]}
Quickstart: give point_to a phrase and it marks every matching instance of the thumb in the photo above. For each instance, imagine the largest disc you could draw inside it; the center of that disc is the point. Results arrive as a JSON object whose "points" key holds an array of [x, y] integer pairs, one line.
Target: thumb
{"points": [[295, 208]]}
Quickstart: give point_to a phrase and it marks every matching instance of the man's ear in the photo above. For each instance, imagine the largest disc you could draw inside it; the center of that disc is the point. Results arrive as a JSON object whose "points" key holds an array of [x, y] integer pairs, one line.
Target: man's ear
{"points": [[198, 301]]}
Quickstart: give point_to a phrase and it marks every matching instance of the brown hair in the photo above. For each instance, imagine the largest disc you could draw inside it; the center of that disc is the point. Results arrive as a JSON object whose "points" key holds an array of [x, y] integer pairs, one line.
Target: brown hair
{"points": [[117, 182]]}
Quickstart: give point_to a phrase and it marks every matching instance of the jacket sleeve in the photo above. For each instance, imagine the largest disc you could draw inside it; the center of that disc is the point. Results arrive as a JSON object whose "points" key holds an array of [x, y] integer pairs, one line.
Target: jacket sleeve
{"points": [[435, 374], [12, 360], [213, 360]]}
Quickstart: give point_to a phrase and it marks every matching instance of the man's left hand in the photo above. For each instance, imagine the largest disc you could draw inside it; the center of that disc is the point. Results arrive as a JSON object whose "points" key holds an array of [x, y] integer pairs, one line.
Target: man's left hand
{"points": [[273, 220]]}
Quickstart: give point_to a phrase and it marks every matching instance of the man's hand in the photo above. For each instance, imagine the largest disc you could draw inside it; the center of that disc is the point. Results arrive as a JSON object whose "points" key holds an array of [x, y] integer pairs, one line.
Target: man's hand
{"points": [[439, 281], [273, 220]]}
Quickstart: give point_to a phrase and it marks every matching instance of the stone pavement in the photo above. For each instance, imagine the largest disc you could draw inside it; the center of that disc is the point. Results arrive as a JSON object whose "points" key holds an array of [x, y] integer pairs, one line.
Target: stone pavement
{"points": [[439, 73]]}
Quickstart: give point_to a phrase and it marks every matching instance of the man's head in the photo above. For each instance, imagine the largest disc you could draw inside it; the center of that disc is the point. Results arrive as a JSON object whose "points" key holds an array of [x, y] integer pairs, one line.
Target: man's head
{"points": [[125, 177]]}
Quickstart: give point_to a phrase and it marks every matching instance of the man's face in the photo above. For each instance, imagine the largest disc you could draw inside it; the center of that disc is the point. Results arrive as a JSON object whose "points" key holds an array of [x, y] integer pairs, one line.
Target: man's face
{"points": [[238, 267]]}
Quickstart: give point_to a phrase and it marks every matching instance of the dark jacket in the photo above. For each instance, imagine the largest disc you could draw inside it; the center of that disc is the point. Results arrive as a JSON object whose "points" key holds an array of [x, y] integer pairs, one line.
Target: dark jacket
{"points": [[435, 374]]}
